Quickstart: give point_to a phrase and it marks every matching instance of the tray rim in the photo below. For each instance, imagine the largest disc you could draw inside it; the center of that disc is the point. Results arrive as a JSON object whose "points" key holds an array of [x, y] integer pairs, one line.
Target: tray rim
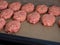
{"points": [[25, 40]]}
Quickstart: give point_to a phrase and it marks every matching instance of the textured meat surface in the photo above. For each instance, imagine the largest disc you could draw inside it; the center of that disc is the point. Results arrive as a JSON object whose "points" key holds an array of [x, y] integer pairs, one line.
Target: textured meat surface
{"points": [[48, 20], [6, 14], [3, 4], [12, 26], [15, 6], [54, 10], [29, 7], [20, 16], [33, 17], [2, 23], [41, 9]]}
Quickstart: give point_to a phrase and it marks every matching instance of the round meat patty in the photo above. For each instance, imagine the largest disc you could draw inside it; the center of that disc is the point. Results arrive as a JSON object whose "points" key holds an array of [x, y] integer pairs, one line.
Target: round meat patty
{"points": [[12, 26], [6, 14], [54, 10], [15, 6], [33, 17], [3, 4], [29, 7], [42, 9], [2, 23], [20, 16], [48, 20]]}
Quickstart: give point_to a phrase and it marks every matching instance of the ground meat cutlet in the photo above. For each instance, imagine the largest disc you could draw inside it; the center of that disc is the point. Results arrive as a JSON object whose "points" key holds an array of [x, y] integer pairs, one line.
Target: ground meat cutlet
{"points": [[6, 14], [15, 6], [48, 20], [41, 9], [12, 26], [3, 4], [54, 10], [33, 17], [29, 7], [20, 16]]}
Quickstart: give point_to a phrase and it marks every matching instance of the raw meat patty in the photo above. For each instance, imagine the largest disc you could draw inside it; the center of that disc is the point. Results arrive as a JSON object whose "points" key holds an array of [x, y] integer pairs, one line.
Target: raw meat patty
{"points": [[33, 17], [6, 14], [42, 9], [48, 20], [2, 23], [3, 4], [54, 10], [12, 26], [20, 16], [15, 6], [29, 7]]}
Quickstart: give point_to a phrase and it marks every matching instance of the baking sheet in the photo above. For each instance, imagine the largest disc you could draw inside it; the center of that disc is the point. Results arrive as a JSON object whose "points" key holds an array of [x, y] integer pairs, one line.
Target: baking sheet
{"points": [[38, 30]]}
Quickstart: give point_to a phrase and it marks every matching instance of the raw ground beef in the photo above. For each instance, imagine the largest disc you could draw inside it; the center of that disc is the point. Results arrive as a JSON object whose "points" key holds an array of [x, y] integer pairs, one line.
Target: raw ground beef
{"points": [[29, 7], [41, 9], [15, 6], [20, 16], [48, 20], [54, 10], [12, 26], [3, 4], [33, 17], [6, 14]]}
